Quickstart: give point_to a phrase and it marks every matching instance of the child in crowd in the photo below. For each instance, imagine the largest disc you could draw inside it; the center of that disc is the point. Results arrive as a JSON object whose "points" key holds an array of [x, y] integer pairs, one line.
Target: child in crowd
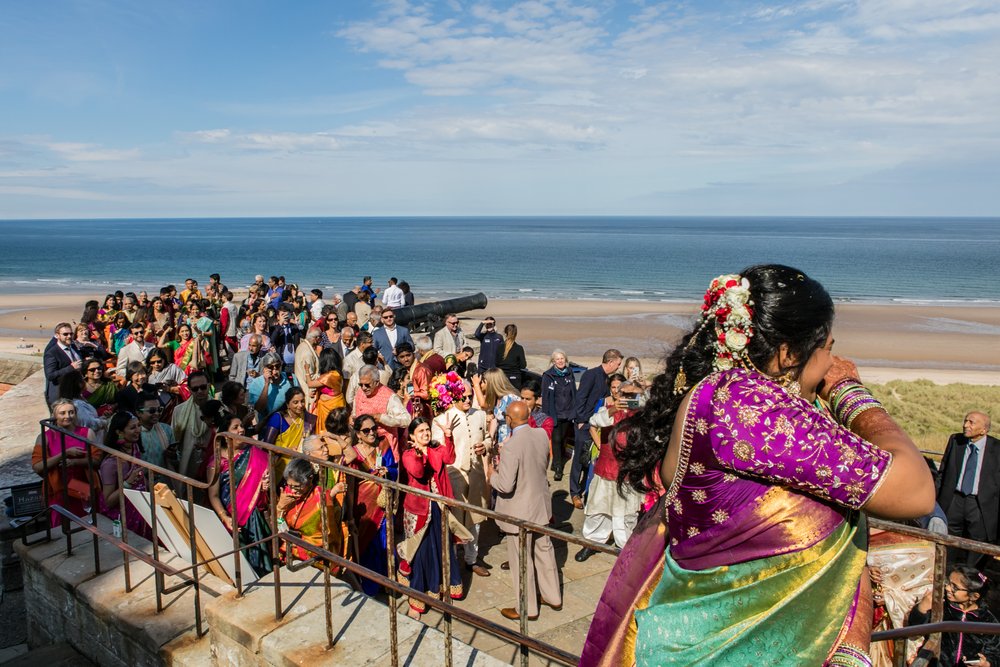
{"points": [[965, 593]]}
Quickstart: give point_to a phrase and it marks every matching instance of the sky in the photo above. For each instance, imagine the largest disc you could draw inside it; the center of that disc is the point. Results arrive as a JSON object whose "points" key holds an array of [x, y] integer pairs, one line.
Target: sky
{"points": [[544, 107]]}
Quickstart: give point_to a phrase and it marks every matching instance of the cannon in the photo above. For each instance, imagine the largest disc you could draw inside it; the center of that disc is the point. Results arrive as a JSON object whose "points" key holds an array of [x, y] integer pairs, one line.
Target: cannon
{"points": [[429, 317]]}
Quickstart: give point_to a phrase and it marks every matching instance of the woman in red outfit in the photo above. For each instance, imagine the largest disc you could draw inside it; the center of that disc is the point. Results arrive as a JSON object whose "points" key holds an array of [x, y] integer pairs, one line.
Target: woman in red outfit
{"points": [[426, 463]]}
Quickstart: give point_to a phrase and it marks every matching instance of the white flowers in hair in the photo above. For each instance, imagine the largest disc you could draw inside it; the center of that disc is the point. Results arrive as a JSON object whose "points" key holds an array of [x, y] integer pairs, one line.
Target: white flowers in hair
{"points": [[728, 302]]}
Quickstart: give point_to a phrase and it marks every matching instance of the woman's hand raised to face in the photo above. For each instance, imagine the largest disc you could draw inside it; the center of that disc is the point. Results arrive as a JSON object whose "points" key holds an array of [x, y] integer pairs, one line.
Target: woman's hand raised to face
{"points": [[842, 369]]}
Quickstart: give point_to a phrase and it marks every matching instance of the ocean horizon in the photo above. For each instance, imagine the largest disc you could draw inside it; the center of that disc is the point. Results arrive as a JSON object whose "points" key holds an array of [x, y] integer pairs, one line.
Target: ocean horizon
{"points": [[907, 261]]}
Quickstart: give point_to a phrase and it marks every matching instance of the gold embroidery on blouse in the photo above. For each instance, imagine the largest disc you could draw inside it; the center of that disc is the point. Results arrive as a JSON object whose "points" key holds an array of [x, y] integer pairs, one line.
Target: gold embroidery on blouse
{"points": [[699, 496], [697, 468], [720, 516], [743, 450]]}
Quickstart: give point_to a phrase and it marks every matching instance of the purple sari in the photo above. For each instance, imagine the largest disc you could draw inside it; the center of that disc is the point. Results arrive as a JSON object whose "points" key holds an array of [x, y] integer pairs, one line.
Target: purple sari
{"points": [[764, 494]]}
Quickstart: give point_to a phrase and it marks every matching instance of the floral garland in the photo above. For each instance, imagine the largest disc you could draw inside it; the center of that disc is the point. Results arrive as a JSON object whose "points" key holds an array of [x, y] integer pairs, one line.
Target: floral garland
{"points": [[728, 302], [445, 389]]}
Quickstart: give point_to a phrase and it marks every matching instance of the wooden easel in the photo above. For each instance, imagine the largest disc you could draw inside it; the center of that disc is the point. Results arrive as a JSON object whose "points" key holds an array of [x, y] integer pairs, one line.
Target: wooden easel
{"points": [[166, 500]]}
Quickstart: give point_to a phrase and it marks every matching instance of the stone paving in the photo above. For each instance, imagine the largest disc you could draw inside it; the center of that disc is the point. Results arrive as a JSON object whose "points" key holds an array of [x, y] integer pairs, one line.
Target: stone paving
{"points": [[582, 587]]}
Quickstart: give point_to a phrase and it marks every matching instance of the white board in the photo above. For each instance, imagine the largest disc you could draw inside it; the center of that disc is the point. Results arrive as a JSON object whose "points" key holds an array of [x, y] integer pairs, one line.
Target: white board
{"points": [[212, 531]]}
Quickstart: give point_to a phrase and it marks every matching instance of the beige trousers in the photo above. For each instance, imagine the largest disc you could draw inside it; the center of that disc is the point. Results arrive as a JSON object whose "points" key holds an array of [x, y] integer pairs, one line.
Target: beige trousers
{"points": [[542, 572]]}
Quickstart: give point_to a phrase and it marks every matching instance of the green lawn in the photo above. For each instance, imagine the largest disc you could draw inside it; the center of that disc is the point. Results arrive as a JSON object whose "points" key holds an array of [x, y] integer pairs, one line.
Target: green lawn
{"points": [[931, 412]]}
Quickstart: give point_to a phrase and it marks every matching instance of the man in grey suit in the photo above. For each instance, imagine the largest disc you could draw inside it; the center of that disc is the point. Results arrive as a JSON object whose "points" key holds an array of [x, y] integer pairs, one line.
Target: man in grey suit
{"points": [[245, 365], [523, 492]]}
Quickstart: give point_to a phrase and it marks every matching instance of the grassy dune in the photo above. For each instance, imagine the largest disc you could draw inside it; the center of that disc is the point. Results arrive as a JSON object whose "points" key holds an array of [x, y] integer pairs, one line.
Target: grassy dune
{"points": [[931, 412]]}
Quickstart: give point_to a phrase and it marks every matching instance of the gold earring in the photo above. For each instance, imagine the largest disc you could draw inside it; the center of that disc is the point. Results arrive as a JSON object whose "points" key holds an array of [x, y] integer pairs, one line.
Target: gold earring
{"points": [[680, 381], [790, 384]]}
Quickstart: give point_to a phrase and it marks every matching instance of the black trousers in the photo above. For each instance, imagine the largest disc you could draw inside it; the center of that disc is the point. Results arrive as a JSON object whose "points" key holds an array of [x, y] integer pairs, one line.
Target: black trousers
{"points": [[559, 431], [965, 519]]}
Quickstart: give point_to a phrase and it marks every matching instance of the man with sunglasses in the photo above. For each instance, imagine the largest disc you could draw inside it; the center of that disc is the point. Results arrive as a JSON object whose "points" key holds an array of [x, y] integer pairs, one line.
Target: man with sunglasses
{"points": [[267, 392], [137, 349], [468, 473], [375, 399], [190, 430], [158, 446], [388, 336]]}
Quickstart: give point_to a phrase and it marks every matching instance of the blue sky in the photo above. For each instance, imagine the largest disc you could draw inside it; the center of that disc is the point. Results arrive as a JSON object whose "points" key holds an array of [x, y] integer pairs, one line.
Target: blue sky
{"points": [[190, 108]]}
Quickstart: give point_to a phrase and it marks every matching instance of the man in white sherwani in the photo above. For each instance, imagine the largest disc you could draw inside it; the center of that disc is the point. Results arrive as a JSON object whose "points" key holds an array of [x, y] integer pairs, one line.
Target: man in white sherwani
{"points": [[468, 472]]}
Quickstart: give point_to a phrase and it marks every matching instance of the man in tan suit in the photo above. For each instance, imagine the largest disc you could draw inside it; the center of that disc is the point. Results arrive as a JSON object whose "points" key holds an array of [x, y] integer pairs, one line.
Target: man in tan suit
{"points": [[523, 492], [450, 339], [468, 473], [307, 365]]}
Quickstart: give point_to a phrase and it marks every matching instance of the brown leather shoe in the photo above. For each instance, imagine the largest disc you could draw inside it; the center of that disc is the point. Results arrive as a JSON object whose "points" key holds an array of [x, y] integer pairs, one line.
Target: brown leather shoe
{"points": [[553, 607], [578, 502], [478, 570], [511, 614]]}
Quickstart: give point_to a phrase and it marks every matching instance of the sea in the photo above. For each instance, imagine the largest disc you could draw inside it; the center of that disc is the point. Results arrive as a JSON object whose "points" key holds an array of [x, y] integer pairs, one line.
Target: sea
{"points": [[926, 261]]}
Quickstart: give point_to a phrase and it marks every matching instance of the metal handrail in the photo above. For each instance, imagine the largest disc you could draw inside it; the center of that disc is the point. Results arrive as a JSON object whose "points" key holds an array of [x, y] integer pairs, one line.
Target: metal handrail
{"points": [[322, 555]]}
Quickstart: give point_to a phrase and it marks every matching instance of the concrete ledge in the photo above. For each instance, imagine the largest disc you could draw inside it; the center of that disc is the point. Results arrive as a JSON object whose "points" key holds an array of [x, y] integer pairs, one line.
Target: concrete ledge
{"points": [[244, 631], [67, 601]]}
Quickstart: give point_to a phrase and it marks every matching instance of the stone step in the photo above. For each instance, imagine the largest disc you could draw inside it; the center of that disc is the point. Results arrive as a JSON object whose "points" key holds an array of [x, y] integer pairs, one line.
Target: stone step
{"points": [[245, 633]]}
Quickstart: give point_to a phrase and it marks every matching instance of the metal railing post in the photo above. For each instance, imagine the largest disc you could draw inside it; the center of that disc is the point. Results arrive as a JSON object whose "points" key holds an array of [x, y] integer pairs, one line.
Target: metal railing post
{"points": [[194, 561], [64, 494], [522, 593], [124, 524], [157, 575], [233, 512], [390, 559], [445, 588], [324, 521], [275, 552]]}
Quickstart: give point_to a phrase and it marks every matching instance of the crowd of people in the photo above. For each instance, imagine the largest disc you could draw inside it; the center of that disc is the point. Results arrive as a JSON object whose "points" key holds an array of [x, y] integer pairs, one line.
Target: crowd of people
{"points": [[733, 481]]}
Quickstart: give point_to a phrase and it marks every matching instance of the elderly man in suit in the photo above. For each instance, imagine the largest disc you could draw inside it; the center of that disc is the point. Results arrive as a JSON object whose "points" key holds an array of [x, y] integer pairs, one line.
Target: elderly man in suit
{"points": [[245, 365], [468, 473], [60, 359], [523, 492], [388, 336], [969, 489]]}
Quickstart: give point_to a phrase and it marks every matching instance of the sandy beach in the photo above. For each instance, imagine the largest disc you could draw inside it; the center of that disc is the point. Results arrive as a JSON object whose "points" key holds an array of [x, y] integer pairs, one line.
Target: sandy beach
{"points": [[945, 344]]}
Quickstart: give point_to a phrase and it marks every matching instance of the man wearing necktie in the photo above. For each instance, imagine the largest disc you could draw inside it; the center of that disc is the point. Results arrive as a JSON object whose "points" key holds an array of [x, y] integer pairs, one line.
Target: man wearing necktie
{"points": [[969, 488], [60, 358]]}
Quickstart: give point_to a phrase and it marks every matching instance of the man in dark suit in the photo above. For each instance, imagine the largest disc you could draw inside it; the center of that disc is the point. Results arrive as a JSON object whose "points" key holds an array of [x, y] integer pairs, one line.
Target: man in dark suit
{"points": [[523, 492], [969, 490], [593, 388], [388, 336], [60, 359]]}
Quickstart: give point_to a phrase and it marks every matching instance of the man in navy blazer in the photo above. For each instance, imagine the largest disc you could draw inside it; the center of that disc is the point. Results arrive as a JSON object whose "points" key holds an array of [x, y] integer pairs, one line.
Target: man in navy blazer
{"points": [[969, 490], [60, 359], [593, 388], [386, 337]]}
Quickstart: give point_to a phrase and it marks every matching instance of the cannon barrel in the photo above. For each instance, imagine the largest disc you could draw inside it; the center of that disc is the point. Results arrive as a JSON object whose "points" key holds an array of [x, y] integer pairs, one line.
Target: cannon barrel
{"points": [[429, 317]]}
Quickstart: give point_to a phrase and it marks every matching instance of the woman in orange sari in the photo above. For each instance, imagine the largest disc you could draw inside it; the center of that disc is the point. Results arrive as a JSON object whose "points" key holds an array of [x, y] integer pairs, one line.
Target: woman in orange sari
{"points": [[329, 386], [300, 509]]}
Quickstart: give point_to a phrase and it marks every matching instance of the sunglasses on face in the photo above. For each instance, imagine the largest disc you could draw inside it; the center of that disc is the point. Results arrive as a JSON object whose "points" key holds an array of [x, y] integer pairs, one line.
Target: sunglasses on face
{"points": [[151, 411], [274, 367], [366, 385], [369, 430], [201, 387]]}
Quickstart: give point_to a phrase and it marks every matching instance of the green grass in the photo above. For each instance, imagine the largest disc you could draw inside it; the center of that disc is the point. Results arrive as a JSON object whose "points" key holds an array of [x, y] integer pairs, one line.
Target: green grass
{"points": [[930, 413]]}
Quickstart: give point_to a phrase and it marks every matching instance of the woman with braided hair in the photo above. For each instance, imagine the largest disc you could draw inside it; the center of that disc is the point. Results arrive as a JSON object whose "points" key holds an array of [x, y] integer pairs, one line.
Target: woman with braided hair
{"points": [[769, 448]]}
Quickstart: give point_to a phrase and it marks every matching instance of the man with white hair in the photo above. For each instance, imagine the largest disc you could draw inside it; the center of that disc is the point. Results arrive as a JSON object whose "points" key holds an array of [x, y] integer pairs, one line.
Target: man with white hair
{"points": [[468, 473], [428, 356], [307, 363], [382, 403]]}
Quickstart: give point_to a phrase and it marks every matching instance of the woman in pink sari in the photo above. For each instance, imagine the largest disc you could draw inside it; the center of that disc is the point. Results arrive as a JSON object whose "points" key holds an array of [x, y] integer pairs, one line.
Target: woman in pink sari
{"points": [[124, 435], [756, 553], [248, 473], [78, 474]]}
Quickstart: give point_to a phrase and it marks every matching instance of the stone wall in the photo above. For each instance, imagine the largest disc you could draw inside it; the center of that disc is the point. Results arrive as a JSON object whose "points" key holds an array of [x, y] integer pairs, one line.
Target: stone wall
{"points": [[67, 602]]}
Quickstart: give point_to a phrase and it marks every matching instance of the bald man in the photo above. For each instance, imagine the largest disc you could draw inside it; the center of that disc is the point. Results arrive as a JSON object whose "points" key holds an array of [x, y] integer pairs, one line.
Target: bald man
{"points": [[969, 489], [523, 492]]}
